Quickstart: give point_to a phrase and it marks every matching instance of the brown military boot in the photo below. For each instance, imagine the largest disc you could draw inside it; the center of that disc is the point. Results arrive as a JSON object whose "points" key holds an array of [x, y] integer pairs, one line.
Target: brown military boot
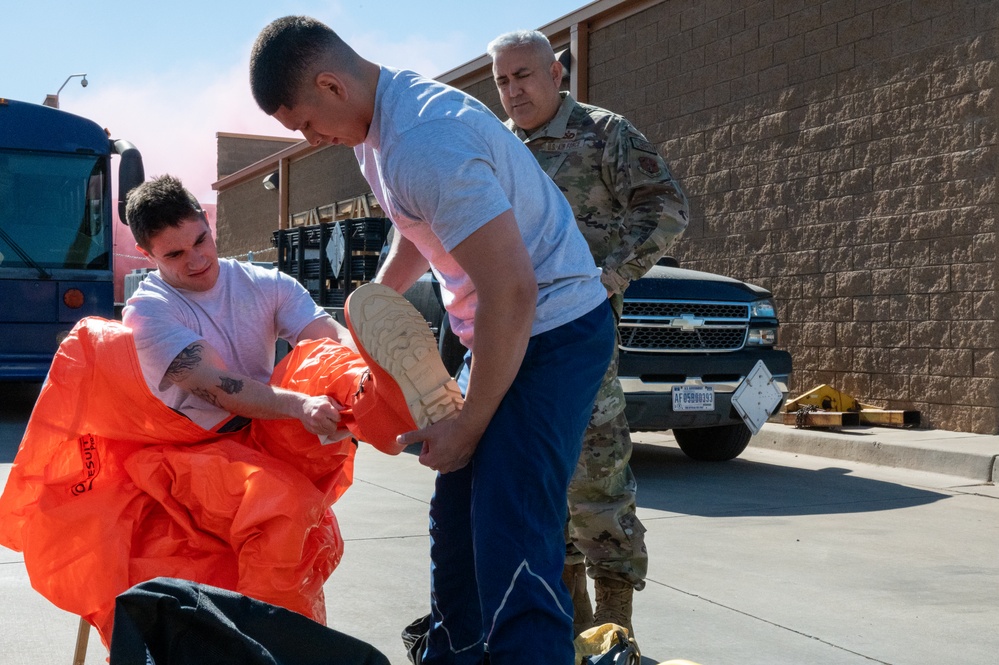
{"points": [[574, 577], [614, 603], [410, 379]]}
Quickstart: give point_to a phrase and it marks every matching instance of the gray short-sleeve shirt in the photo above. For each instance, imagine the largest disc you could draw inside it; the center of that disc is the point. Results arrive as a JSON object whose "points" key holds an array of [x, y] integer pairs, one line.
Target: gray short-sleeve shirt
{"points": [[241, 317]]}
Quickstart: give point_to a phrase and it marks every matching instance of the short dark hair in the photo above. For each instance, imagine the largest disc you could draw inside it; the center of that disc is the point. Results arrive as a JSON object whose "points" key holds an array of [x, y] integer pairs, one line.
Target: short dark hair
{"points": [[284, 55], [158, 203]]}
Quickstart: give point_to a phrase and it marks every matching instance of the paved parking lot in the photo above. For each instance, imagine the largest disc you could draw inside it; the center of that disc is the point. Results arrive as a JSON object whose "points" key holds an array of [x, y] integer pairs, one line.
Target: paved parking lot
{"points": [[777, 557]]}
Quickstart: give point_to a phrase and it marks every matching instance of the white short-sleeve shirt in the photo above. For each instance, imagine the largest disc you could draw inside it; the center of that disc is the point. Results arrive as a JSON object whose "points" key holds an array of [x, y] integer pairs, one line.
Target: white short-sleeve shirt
{"points": [[241, 317]]}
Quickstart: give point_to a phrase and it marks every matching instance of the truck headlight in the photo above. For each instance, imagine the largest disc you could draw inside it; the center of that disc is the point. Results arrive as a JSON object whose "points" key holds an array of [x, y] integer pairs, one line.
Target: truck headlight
{"points": [[762, 337], [764, 309]]}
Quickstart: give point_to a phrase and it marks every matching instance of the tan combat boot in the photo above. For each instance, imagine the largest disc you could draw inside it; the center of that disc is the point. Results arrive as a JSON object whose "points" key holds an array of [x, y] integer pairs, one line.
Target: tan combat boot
{"points": [[574, 577], [614, 603]]}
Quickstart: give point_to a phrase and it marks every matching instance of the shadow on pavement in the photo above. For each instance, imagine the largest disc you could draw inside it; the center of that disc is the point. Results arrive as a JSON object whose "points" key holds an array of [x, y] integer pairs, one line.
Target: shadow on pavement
{"points": [[670, 481], [15, 406]]}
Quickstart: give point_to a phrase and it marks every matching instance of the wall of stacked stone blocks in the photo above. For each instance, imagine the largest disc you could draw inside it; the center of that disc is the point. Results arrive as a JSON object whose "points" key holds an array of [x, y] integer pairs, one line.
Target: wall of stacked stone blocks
{"points": [[842, 154]]}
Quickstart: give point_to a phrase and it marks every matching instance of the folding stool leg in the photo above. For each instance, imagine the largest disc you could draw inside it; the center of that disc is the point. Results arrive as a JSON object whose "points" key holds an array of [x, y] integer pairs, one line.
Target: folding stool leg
{"points": [[82, 637]]}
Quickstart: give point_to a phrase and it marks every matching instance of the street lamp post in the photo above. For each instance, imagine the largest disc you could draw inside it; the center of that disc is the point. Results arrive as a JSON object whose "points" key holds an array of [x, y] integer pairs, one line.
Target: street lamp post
{"points": [[53, 100]]}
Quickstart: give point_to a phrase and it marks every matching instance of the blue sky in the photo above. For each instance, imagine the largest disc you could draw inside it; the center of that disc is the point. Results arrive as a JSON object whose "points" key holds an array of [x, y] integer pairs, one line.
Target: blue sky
{"points": [[167, 76]]}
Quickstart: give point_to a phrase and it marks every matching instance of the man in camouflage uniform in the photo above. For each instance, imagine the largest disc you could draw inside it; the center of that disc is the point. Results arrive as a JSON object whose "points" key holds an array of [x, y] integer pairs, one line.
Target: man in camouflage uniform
{"points": [[630, 210]]}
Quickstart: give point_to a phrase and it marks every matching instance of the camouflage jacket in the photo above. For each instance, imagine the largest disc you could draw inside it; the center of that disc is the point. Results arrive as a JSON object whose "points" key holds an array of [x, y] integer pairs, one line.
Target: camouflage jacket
{"points": [[626, 202]]}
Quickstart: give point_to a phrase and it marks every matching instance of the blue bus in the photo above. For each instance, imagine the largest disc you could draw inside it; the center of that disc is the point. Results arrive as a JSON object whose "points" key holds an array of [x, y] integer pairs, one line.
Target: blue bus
{"points": [[56, 245]]}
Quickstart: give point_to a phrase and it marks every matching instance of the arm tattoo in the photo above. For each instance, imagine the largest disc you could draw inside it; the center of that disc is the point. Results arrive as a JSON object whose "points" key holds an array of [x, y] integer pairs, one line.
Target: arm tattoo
{"points": [[230, 386], [189, 359], [206, 395], [185, 361]]}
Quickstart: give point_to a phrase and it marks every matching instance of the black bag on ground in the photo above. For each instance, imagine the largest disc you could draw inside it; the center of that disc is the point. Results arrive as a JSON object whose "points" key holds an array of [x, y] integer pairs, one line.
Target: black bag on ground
{"points": [[167, 621], [414, 638]]}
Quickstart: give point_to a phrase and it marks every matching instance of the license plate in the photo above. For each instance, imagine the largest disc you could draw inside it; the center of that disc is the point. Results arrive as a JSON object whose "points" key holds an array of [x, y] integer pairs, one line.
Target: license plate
{"points": [[693, 398]]}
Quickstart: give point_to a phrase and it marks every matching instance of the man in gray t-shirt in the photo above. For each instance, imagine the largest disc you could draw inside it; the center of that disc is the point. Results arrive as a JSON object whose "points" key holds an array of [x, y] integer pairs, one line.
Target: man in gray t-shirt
{"points": [[240, 317], [205, 331], [199, 354], [521, 290]]}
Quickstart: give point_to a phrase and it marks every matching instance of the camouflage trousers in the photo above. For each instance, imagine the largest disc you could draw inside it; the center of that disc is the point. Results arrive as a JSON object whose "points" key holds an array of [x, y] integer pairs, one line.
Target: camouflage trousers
{"points": [[603, 529]]}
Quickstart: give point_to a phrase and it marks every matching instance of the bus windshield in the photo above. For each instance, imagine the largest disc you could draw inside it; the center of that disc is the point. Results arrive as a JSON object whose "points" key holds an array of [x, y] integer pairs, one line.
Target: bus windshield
{"points": [[52, 212]]}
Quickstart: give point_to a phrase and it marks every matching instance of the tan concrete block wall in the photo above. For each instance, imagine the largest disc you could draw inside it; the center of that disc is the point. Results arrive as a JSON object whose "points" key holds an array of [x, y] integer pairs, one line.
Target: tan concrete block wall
{"points": [[324, 177], [246, 215], [485, 92], [842, 154], [234, 152]]}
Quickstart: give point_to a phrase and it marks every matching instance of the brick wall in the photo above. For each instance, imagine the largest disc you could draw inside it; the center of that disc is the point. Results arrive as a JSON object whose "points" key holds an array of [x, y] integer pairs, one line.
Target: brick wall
{"points": [[843, 155], [246, 217], [236, 151], [325, 176], [248, 213], [485, 92]]}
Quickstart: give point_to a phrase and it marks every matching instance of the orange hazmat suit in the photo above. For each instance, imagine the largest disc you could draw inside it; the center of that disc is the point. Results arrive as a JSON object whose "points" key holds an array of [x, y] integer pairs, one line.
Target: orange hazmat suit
{"points": [[110, 487]]}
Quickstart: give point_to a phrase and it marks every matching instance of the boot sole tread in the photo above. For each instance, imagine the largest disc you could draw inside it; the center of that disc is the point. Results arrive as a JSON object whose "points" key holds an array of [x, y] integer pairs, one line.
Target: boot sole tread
{"points": [[399, 340]]}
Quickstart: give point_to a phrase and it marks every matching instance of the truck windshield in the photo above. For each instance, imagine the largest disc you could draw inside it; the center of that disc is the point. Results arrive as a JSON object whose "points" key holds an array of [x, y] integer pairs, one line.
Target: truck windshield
{"points": [[52, 212]]}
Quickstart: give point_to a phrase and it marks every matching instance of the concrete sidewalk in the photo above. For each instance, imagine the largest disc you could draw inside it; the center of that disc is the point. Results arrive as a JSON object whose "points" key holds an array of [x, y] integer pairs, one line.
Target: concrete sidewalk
{"points": [[961, 454], [972, 456]]}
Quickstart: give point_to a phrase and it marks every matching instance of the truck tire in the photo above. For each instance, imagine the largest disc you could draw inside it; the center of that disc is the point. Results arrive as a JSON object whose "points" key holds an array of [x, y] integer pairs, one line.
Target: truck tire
{"points": [[713, 444]]}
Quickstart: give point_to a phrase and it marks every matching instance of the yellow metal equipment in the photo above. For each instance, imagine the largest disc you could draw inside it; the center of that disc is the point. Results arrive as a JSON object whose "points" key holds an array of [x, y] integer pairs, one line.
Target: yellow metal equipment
{"points": [[825, 406]]}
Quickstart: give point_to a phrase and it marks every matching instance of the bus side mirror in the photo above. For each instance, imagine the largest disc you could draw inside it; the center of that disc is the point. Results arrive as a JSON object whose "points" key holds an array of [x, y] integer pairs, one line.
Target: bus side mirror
{"points": [[130, 173]]}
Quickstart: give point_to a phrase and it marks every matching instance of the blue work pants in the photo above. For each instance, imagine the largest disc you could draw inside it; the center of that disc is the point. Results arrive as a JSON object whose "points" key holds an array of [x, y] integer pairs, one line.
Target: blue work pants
{"points": [[496, 526]]}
